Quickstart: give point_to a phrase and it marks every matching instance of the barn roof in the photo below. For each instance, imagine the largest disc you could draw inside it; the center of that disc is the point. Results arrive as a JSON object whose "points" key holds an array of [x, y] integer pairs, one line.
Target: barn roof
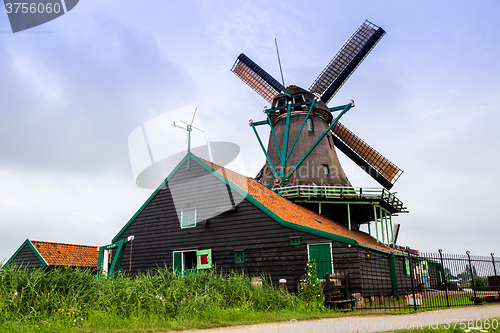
{"points": [[283, 211], [61, 254]]}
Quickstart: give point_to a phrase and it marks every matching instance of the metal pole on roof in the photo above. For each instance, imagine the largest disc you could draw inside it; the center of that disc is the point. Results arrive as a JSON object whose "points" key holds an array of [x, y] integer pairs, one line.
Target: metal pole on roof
{"points": [[189, 146]]}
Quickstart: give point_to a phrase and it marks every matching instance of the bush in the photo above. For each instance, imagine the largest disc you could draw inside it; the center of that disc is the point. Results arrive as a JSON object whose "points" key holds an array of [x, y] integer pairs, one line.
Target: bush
{"points": [[480, 283], [311, 289]]}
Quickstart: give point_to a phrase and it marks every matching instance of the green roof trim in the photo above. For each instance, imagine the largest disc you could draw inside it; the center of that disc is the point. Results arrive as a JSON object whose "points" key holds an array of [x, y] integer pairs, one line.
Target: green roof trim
{"points": [[33, 248], [184, 159], [388, 251]]}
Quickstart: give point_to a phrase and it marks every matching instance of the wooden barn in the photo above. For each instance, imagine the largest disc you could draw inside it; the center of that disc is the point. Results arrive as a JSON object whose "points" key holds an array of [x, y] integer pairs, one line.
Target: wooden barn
{"points": [[35, 254], [206, 216]]}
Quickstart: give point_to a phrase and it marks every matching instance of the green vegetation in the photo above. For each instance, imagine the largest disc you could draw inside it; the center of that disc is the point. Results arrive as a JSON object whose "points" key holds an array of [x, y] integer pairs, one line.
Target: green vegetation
{"points": [[74, 300], [311, 290]]}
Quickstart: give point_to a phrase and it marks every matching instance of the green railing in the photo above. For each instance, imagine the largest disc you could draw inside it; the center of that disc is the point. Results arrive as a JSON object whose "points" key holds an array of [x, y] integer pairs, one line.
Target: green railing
{"points": [[341, 193]]}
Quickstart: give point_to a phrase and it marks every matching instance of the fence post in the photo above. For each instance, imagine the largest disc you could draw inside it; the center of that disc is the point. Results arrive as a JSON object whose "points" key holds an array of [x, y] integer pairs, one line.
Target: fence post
{"points": [[471, 274], [495, 271], [394, 277], [444, 278], [411, 279]]}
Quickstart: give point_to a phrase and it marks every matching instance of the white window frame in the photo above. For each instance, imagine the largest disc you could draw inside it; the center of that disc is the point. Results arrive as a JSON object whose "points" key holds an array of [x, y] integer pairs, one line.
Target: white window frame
{"points": [[182, 218], [182, 257]]}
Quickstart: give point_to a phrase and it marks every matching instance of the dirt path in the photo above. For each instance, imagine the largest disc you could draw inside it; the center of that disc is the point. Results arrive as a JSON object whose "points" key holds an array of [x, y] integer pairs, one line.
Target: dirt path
{"points": [[471, 317]]}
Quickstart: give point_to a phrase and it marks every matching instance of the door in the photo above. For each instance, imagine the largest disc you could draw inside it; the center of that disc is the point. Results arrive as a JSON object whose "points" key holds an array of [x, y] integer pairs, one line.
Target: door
{"points": [[322, 255]]}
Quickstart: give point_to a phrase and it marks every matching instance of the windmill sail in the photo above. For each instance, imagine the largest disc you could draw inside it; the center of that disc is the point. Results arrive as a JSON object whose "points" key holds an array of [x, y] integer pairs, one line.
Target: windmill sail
{"points": [[326, 85], [380, 168], [346, 61], [257, 78]]}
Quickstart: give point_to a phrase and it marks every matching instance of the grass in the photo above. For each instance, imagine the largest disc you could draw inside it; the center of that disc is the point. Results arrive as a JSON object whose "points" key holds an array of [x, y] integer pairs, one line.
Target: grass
{"points": [[74, 300], [462, 299]]}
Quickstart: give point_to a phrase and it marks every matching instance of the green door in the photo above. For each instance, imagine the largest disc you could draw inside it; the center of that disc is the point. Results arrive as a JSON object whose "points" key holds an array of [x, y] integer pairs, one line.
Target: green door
{"points": [[177, 262], [321, 254]]}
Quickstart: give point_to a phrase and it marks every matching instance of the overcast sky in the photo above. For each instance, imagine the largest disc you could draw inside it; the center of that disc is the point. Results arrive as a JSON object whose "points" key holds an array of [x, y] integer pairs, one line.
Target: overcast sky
{"points": [[72, 90]]}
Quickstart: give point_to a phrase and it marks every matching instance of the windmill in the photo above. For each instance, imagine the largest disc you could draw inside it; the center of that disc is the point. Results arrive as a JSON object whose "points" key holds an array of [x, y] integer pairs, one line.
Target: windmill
{"points": [[300, 152], [189, 128]]}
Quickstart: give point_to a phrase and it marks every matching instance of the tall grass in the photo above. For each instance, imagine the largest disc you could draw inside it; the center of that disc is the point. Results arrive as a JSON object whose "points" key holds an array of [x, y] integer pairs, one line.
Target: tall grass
{"points": [[69, 299]]}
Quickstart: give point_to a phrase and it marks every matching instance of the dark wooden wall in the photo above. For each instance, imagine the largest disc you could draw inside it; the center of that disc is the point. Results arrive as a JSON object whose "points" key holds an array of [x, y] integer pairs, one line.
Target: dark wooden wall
{"points": [[26, 258]]}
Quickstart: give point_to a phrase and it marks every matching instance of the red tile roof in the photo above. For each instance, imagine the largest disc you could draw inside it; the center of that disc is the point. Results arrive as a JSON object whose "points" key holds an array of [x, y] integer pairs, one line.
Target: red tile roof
{"points": [[60, 254], [293, 213]]}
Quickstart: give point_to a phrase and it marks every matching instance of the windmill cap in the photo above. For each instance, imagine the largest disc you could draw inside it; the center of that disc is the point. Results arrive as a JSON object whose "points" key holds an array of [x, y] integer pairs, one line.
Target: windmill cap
{"points": [[302, 96]]}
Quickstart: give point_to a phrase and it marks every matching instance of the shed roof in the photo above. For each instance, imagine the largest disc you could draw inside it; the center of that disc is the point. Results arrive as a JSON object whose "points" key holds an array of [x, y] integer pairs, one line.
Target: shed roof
{"points": [[61, 254]]}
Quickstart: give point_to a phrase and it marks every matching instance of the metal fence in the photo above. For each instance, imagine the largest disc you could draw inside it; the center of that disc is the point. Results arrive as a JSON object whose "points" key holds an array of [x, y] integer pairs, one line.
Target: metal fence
{"points": [[378, 281]]}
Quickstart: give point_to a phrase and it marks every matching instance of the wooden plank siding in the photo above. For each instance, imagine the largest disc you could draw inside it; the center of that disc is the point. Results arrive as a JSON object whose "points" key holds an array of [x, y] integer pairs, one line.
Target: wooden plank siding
{"points": [[26, 258], [265, 242]]}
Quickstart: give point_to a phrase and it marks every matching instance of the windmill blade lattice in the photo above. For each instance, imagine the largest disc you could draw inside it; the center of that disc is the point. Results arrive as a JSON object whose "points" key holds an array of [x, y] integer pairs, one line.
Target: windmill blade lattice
{"points": [[257, 78], [346, 61], [380, 168]]}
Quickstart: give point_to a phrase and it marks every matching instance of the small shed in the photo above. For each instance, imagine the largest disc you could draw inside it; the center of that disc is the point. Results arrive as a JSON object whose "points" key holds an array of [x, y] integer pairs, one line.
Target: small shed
{"points": [[35, 254]]}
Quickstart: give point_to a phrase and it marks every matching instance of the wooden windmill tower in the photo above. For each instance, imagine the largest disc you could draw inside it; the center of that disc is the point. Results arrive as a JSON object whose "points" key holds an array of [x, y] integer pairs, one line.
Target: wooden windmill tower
{"points": [[301, 160]]}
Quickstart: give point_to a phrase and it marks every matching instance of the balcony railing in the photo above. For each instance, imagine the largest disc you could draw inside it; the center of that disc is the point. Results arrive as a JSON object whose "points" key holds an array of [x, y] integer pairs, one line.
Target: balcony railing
{"points": [[340, 193]]}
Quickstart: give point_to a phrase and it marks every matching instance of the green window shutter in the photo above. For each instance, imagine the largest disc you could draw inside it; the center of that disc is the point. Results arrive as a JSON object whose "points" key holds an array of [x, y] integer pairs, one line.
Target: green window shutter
{"points": [[177, 262], [204, 259], [239, 257], [407, 265], [425, 266]]}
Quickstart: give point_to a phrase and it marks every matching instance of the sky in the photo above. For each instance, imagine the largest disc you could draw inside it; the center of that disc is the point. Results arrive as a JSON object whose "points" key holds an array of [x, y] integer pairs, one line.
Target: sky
{"points": [[73, 90]]}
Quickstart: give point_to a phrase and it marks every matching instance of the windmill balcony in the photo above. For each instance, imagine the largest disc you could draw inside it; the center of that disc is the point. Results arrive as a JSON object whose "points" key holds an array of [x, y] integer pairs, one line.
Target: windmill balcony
{"points": [[342, 193]]}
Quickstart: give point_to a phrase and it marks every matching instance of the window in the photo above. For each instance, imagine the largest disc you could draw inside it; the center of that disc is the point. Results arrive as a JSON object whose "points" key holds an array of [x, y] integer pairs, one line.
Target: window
{"points": [[188, 218], [326, 170], [192, 260], [239, 257], [184, 261], [310, 127], [295, 241]]}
